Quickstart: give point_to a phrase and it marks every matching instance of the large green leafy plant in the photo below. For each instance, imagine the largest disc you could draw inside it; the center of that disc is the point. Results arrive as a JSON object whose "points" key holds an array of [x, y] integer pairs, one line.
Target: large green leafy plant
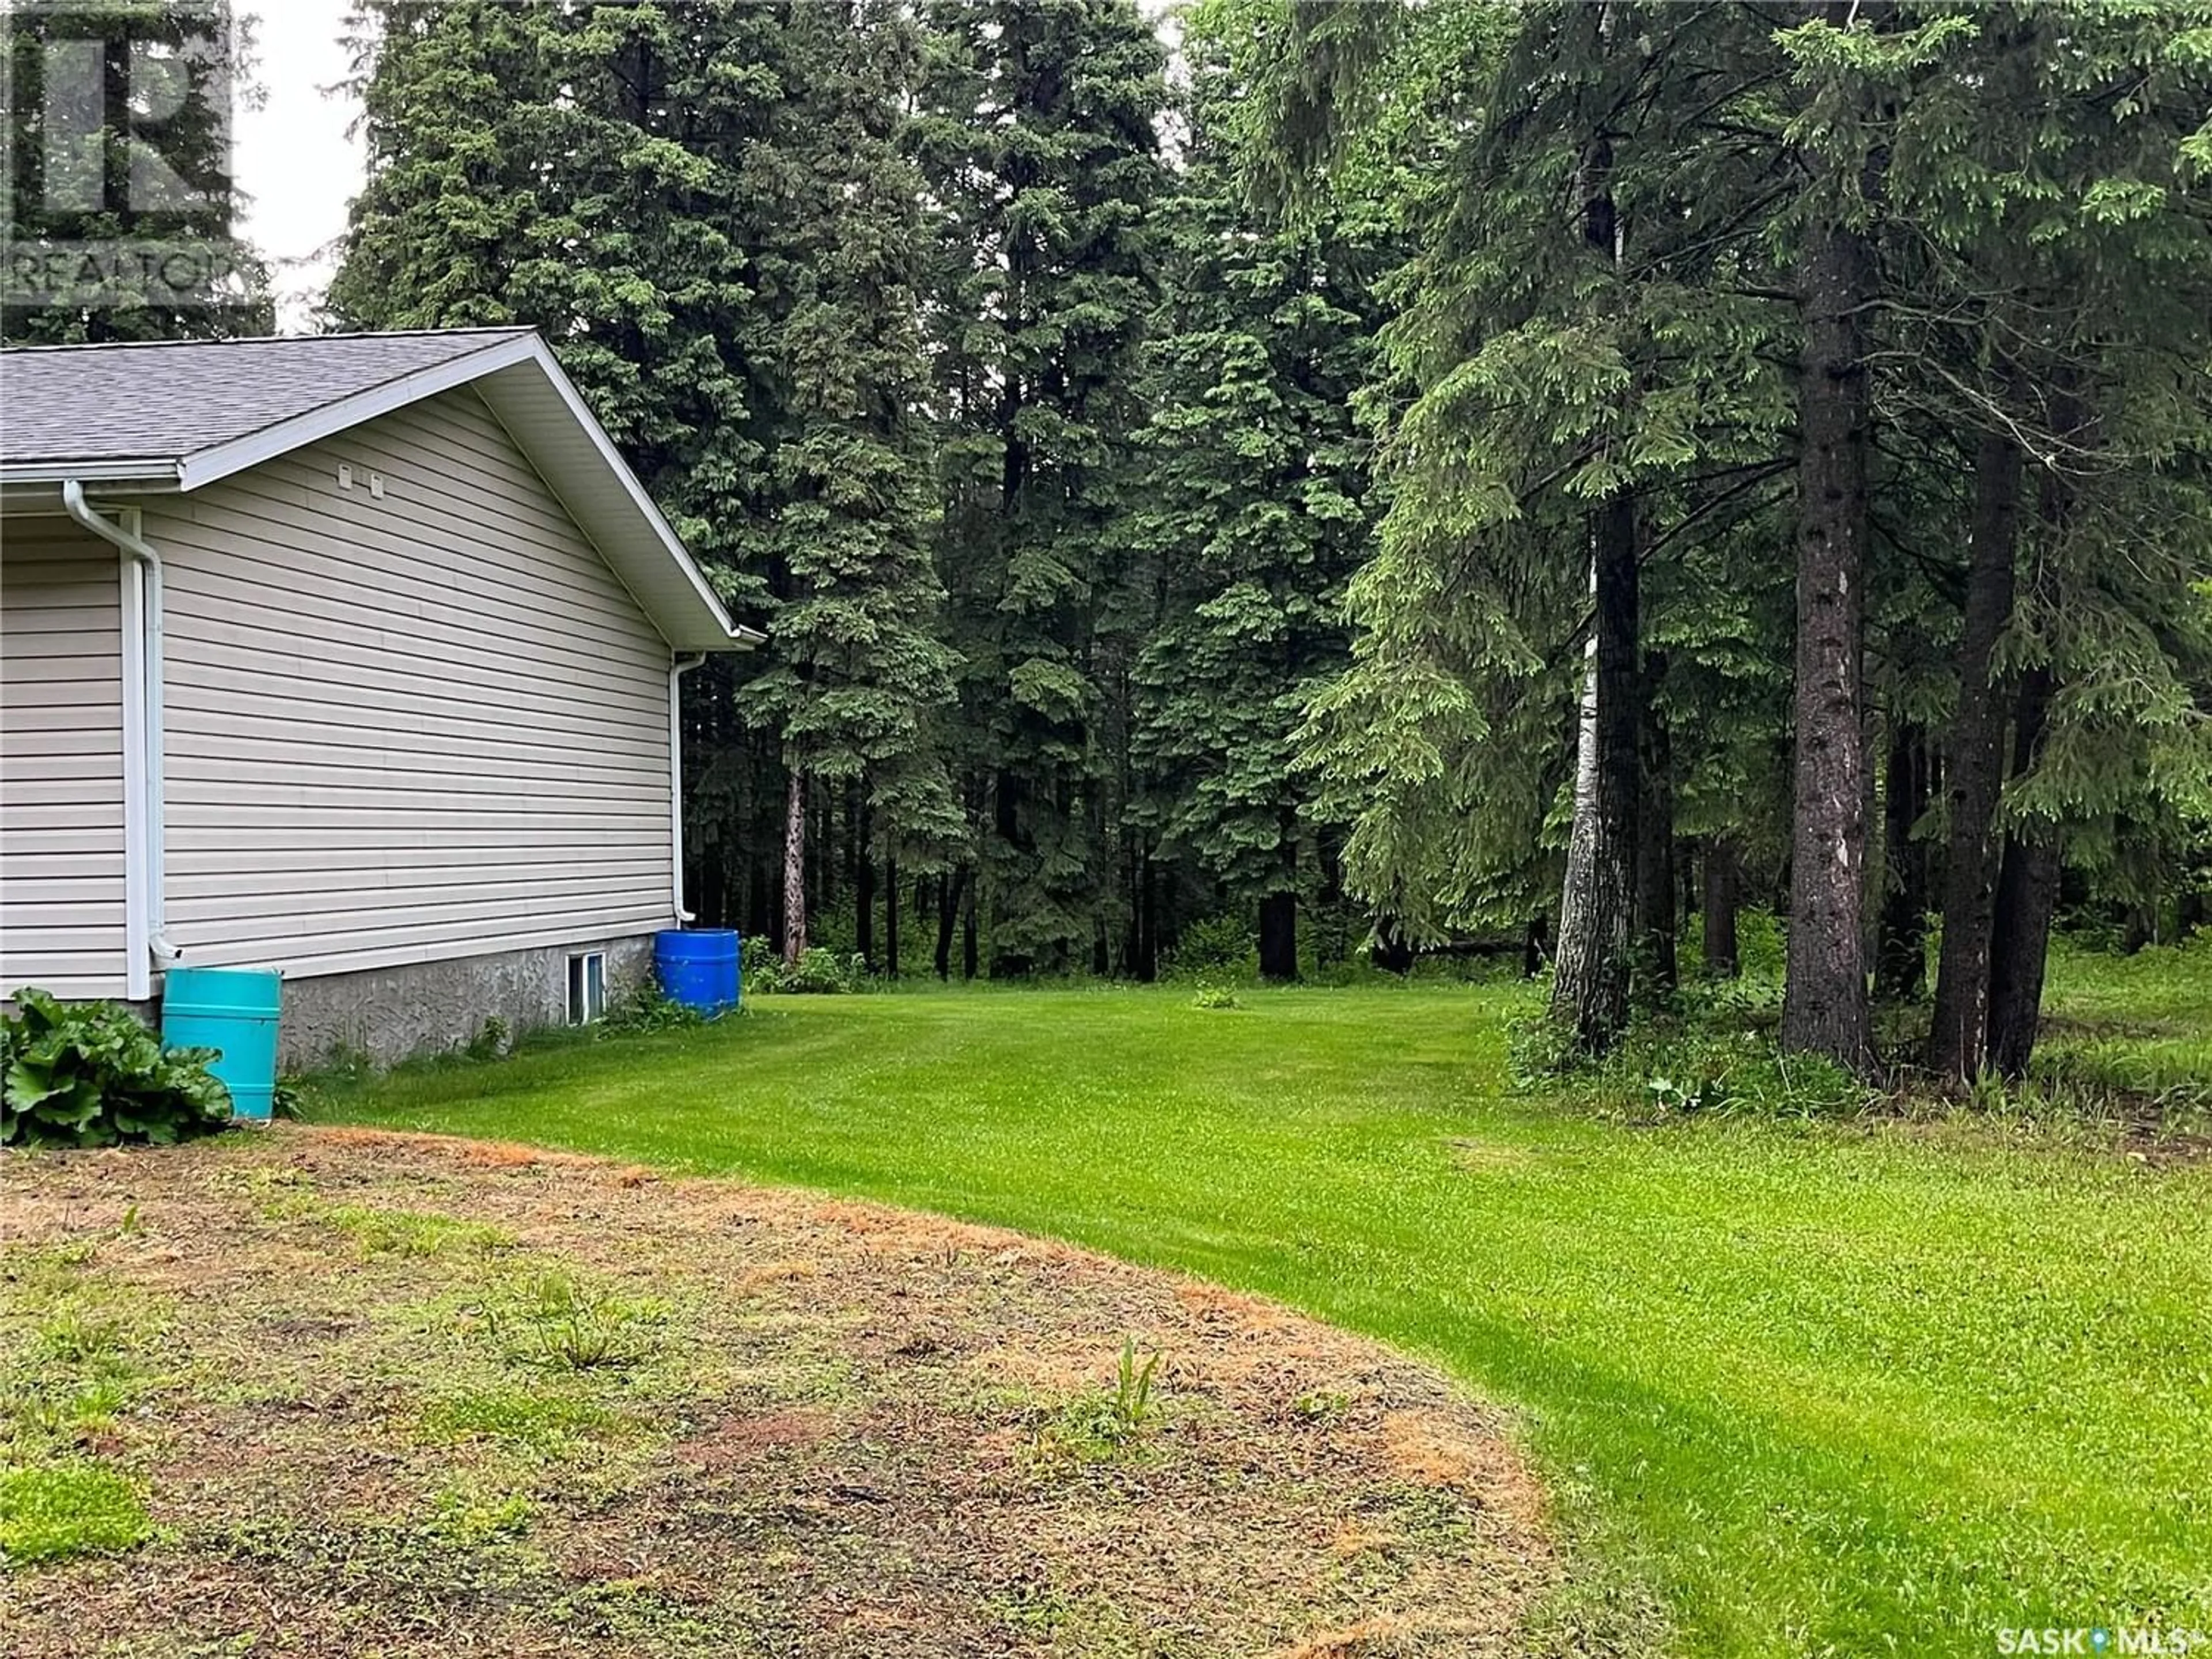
{"points": [[88, 1074]]}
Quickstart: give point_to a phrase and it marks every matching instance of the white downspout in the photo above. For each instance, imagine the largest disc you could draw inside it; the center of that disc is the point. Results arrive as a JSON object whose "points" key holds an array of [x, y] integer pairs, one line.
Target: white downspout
{"points": [[678, 668], [146, 929]]}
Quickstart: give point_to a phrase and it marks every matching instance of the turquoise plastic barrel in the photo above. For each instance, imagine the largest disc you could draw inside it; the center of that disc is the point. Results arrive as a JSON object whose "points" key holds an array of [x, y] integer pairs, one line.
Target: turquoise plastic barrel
{"points": [[698, 967], [235, 1010]]}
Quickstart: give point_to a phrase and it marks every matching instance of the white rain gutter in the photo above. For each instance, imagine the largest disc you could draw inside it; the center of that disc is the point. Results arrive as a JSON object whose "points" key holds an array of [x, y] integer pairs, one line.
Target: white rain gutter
{"points": [[678, 668], [145, 923]]}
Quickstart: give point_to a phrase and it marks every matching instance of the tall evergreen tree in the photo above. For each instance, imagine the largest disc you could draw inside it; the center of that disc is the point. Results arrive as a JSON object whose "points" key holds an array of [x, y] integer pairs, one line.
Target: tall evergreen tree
{"points": [[2062, 295], [844, 516], [1038, 144], [1587, 376], [1836, 281], [1255, 510]]}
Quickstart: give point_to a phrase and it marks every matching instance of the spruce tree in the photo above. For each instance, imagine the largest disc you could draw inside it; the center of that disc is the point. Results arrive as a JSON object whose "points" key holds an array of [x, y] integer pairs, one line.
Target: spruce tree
{"points": [[2062, 297], [1587, 376], [1255, 510], [1836, 281], [844, 517], [1038, 146]]}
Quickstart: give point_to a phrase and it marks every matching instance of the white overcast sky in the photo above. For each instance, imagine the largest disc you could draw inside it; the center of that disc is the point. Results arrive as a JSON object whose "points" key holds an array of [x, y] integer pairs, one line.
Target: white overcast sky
{"points": [[292, 156]]}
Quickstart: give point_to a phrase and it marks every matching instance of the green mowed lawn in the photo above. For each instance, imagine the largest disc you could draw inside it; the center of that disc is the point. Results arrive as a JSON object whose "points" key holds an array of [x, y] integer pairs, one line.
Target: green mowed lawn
{"points": [[1820, 1388]]}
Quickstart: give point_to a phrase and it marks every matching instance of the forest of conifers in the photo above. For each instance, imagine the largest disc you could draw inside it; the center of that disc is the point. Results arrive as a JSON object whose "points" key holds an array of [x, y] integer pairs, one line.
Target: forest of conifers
{"points": [[1367, 475], [1199, 466]]}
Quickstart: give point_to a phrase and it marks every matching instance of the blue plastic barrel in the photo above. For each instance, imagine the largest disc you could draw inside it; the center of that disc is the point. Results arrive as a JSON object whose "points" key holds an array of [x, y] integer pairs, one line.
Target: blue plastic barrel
{"points": [[698, 967], [235, 1010]]}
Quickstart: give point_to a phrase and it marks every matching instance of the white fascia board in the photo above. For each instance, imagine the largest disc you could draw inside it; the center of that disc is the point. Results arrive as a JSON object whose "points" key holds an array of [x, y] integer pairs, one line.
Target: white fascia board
{"points": [[206, 466]]}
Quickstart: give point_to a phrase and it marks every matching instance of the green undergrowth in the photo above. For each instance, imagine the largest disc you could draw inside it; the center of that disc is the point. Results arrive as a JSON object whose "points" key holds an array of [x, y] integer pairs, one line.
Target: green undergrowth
{"points": [[2125, 1054]]}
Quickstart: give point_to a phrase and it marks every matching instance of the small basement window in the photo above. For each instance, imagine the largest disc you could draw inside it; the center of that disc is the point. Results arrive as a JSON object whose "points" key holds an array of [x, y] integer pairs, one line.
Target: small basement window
{"points": [[587, 986]]}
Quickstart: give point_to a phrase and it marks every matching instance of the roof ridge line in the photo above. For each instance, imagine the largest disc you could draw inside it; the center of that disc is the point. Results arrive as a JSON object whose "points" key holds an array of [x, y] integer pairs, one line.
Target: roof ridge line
{"points": [[271, 339]]}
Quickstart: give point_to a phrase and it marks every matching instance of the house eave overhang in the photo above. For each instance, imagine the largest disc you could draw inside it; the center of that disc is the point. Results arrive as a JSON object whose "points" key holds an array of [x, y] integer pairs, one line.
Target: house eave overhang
{"points": [[155, 472]]}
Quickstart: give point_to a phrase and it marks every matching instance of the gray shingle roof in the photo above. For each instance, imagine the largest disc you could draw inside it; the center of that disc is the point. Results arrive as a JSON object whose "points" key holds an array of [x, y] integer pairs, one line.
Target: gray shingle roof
{"points": [[168, 400]]}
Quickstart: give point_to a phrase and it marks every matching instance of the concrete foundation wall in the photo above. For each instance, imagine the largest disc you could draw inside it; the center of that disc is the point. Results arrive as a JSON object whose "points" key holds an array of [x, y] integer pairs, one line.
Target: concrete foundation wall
{"points": [[392, 1014]]}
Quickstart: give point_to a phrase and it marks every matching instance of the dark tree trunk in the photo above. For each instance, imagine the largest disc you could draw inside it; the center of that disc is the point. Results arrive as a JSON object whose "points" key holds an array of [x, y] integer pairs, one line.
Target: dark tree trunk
{"points": [[949, 891], [2028, 894], [1901, 960], [2028, 875], [794, 868], [1974, 766], [1279, 919], [1655, 851], [1590, 990], [968, 935], [1007, 802], [1133, 921], [1532, 948], [1278, 936], [1723, 893], [1147, 964], [891, 918], [864, 889], [1824, 1009]]}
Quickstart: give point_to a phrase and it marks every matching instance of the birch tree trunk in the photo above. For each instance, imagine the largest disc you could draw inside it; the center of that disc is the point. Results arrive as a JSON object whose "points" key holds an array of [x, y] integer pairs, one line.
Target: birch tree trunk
{"points": [[1590, 989], [794, 870], [1574, 892]]}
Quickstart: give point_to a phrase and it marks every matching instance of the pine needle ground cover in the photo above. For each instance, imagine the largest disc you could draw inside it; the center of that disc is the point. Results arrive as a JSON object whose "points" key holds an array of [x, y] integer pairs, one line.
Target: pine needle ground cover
{"points": [[1821, 1388], [343, 1394]]}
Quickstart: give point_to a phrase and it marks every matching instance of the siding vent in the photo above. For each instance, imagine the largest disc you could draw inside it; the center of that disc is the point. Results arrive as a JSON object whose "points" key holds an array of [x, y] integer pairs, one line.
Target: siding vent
{"points": [[376, 485], [345, 475], [587, 986]]}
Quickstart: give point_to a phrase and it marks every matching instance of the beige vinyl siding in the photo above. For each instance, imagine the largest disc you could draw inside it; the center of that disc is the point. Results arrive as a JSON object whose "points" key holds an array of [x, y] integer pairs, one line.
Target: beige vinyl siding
{"points": [[427, 727], [62, 905]]}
